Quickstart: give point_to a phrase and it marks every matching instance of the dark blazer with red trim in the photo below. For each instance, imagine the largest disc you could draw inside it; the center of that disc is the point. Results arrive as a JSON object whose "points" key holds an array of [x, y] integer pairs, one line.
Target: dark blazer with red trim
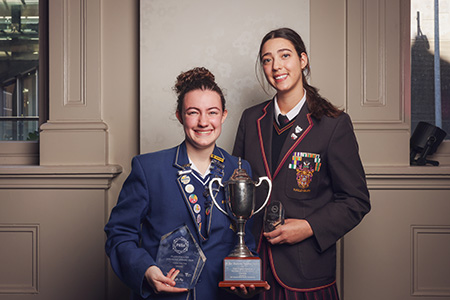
{"points": [[319, 178]]}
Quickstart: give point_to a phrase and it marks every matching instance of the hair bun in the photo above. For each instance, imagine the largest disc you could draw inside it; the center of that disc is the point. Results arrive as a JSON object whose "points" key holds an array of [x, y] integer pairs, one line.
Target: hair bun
{"points": [[195, 75]]}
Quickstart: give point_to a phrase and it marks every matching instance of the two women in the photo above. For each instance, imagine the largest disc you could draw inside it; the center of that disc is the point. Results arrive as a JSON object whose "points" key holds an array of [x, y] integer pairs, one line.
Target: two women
{"points": [[303, 143], [307, 147]]}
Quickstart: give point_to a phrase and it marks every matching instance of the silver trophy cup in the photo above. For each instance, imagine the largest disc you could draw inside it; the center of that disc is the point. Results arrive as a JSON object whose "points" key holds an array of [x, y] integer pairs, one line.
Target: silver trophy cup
{"points": [[240, 198]]}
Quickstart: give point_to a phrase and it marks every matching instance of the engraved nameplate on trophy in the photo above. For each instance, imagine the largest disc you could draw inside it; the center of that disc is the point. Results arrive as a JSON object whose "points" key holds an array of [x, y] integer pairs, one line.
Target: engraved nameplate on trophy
{"points": [[178, 249], [240, 266]]}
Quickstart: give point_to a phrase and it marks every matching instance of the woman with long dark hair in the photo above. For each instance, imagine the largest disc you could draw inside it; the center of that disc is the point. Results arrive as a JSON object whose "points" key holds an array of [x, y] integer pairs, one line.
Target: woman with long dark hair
{"points": [[307, 147]]}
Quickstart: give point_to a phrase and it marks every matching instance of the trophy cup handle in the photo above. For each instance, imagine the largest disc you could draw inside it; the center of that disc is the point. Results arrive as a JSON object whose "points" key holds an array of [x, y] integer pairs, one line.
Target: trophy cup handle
{"points": [[219, 181], [261, 179]]}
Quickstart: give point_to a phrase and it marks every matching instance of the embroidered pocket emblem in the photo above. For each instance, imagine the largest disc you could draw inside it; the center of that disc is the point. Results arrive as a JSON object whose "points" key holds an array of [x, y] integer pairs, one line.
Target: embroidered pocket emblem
{"points": [[305, 164], [304, 175]]}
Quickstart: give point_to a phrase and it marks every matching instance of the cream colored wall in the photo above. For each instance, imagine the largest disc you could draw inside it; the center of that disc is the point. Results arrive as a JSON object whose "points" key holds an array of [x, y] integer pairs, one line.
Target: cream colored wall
{"points": [[401, 249], [120, 97], [224, 38], [52, 215]]}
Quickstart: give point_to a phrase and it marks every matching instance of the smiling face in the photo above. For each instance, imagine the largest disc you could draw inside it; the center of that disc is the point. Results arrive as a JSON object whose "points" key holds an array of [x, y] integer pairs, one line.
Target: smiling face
{"points": [[202, 117], [283, 66]]}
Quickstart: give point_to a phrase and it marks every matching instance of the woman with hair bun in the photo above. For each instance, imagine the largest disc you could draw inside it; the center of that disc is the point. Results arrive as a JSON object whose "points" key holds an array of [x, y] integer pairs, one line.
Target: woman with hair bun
{"points": [[167, 190], [307, 147]]}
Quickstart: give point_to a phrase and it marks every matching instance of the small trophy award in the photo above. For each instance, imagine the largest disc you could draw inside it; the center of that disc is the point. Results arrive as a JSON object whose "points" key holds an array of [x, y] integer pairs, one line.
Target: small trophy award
{"points": [[241, 267], [178, 249], [274, 216]]}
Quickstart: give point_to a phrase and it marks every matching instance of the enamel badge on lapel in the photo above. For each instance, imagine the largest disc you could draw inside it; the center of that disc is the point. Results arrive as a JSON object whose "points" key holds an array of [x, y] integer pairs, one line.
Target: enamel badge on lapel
{"points": [[193, 198], [298, 129], [294, 136], [218, 158], [189, 188], [185, 179], [217, 167]]}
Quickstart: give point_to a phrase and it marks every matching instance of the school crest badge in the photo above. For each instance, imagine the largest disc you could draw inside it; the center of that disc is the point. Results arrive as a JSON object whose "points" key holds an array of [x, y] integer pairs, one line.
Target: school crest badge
{"points": [[304, 175], [305, 164]]}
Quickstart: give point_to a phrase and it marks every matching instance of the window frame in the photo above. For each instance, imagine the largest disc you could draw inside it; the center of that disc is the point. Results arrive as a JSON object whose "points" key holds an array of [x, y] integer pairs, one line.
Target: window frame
{"points": [[27, 152], [442, 154]]}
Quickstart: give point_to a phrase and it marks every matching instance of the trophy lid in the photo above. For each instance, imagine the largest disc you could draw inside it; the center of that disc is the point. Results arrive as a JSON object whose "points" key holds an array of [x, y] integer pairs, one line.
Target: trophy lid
{"points": [[240, 174]]}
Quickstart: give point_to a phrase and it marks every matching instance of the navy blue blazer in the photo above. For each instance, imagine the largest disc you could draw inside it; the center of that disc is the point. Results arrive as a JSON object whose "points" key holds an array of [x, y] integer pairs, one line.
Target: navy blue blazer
{"points": [[319, 177], [152, 203]]}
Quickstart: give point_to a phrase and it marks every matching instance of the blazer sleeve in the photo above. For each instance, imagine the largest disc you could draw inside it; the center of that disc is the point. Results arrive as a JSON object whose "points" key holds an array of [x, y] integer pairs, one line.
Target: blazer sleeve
{"points": [[123, 231], [350, 194]]}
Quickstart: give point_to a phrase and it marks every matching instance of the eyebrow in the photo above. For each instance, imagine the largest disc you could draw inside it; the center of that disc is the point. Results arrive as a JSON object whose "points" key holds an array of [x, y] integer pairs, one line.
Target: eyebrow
{"points": [[278, 51], [196, 108]]}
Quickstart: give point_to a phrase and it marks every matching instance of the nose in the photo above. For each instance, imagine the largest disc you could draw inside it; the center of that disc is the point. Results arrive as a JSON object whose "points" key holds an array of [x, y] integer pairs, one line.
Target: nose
{"points": [[203, 120], [276, 64]]}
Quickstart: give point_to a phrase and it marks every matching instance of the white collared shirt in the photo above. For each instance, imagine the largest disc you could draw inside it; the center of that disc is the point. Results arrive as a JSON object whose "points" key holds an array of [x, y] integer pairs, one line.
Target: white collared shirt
{"points": [[293, 112], [194, 167]]}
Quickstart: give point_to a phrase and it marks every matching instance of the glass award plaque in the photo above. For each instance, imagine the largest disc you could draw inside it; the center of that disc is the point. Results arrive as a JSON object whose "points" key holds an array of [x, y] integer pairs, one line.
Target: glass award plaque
{"points": [[274, 216], [178, 249]]}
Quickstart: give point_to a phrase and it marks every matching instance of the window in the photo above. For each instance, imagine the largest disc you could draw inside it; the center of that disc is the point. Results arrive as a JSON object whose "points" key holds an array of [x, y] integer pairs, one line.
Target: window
{"points": [[430, 63], [23, 79], [20, 108], [19, 70]]}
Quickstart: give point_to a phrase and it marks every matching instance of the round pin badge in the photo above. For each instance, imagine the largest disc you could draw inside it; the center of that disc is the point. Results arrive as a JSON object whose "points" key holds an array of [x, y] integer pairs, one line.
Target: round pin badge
{"points": [[199, 219], [193, 198], [185, 179], [189, 188], [197, 208]]}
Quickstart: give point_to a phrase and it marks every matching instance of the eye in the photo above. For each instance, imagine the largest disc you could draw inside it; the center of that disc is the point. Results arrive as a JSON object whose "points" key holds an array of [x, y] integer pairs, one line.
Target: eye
{"points": [[214, 112], [286, 55], [191, 112], [266, 61]]}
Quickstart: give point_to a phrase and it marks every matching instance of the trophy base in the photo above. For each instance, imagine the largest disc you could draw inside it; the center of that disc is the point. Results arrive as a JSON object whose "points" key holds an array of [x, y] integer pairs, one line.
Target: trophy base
{"points": [[257, 284], [242, 270]]}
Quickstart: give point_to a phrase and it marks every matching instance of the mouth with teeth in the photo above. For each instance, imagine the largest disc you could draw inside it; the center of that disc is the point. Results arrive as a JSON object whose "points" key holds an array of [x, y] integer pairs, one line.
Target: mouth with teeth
{"points": [[280, 77], [203, 132]]}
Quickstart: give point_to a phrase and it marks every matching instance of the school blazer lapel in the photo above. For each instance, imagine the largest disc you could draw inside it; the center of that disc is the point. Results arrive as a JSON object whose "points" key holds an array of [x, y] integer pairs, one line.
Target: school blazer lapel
{"points": [[265, 131], [302, 126], [182, 164]]}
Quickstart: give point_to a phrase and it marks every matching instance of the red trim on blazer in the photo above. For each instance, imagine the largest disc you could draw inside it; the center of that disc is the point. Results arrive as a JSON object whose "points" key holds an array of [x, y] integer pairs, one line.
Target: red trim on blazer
{"points": [[280, 165], [263, 152], [295, 145], [288, 287], [266, 166], [280, 131]]}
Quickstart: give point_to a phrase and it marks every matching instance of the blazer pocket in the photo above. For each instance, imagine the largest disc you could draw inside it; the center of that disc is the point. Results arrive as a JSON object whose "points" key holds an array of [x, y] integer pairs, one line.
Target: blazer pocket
{"points": [[301, 183], [315, 265]]}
